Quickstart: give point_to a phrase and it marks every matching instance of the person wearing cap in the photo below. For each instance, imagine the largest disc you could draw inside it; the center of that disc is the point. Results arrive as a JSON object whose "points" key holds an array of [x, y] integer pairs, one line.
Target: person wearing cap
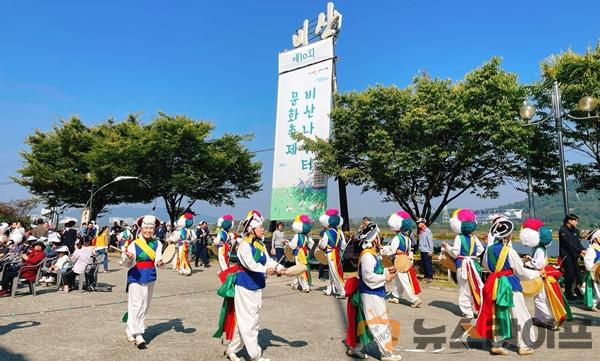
{"points": [[551, 309], [255, 265], [62, 258], [591, 294], [425, 248], [332, 243], [300, 244], [33, 257], [143, 255], [502, 295], [224, 241], [570, 249], [465, 250], [402, 223], [366, 300]]}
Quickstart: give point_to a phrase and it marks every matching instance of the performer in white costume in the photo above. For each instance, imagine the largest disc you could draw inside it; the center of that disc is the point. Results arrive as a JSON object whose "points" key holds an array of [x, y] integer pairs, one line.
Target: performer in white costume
{"points": [[225, 240], [551, 308], [502, 297], [366, 310], [301, 244], [591, 294], [333, 242], [255, 265], [182, 238], [144, 254], [465, 251], [401, 223]]}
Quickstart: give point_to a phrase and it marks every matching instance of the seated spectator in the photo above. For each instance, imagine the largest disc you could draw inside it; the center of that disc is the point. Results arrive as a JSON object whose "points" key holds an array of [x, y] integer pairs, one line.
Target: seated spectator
{"points": [[33, 257], [63, 257], [40, 230], [82, 258]]}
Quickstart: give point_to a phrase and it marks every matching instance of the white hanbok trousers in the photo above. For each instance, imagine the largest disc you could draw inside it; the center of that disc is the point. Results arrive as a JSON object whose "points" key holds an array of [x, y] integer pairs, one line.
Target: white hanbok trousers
{"points": [[401, 285], [139, 297], [247, 309], [522, 317], [378, 323]]}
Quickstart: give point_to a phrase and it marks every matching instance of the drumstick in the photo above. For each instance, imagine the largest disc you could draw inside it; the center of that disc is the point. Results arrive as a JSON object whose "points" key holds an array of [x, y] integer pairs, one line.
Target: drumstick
{"points": [[117, 249]]}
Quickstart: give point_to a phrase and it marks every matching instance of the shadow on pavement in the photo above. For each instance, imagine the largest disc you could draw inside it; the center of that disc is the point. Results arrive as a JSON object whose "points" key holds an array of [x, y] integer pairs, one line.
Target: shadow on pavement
{"points": [[448, 306], [6, 355], [266, 339], [4, 329], [160, 328]]}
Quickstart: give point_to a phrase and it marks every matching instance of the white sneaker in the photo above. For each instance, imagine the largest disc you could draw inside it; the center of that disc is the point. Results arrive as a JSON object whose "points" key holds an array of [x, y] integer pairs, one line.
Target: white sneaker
{"points": [[140, 342], [50, 280], [129, 336], [231, 356], [392, 358], [356, 354], [43, 279]]}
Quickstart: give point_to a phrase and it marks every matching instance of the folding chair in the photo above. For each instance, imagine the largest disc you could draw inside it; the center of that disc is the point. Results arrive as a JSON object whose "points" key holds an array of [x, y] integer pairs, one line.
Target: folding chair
{"points": [[18, 279]]}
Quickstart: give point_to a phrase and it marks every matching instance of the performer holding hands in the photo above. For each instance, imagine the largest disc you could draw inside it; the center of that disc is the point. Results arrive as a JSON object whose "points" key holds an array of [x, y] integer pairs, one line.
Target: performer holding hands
{"points": [[255, 264]]}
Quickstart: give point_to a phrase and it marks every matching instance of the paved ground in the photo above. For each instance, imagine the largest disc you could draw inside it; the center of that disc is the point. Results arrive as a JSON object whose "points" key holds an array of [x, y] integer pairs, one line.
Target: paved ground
{"points": [[183, 316]]}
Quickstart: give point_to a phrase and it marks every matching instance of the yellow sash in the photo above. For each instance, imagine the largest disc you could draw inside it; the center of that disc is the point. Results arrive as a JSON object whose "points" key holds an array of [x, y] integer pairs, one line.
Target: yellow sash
{"points": [[147, 249]]}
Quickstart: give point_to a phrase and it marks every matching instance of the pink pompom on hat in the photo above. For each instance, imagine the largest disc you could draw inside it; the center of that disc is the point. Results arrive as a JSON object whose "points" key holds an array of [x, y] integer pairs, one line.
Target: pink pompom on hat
{"points": [[226, 217], [301, 223], [395, 220], [331, 218], [460, 216]]}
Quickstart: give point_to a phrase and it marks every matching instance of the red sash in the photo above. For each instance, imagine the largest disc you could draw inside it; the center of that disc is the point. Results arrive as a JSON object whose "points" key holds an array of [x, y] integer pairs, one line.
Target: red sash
{"points": [[485, 320]]}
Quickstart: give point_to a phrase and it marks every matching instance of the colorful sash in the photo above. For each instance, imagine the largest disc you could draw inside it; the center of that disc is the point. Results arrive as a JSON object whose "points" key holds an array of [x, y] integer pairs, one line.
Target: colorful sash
{"points": [[227, 315], [494, 318], [303, 257], [588, 293], [357, 330], [559, 307], [146, 249]]}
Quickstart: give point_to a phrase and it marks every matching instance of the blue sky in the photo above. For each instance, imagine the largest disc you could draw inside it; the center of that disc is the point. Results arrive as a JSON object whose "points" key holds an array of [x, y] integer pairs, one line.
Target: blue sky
{"points": [[218, 61]]}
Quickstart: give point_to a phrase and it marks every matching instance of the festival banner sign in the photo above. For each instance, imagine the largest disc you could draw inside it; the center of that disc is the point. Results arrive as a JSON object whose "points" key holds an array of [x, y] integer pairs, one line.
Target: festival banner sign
{"points": [[303, 106]]}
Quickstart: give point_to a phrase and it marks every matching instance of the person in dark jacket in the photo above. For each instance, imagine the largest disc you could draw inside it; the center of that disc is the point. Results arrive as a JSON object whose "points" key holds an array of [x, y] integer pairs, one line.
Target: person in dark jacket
{"points": [[570, 250], [69, 236], [202, 238]]}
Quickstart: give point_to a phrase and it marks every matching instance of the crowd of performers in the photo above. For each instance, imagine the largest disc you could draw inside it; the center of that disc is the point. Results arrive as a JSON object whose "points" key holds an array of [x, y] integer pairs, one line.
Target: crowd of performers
{"points": [[491, 278]]}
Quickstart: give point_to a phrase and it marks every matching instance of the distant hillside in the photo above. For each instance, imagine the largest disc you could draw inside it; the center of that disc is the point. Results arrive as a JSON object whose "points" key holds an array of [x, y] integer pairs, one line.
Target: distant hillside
{"points": [[550, 208]]}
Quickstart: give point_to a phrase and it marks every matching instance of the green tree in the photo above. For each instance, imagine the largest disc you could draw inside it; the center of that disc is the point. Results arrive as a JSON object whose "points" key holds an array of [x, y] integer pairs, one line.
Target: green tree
{"points": [[183, 164], [578, 75], [174, 155], [64, 165], [427, 144]]}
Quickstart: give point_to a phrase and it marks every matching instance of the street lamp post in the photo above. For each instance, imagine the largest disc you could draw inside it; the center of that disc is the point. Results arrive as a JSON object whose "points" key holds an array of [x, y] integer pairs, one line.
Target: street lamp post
{"points": [[117, 179], [527, 112]]}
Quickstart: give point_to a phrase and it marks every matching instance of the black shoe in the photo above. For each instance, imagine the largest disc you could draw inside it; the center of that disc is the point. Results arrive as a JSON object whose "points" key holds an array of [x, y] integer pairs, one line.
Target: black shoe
{"points": [[206, 266]]}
